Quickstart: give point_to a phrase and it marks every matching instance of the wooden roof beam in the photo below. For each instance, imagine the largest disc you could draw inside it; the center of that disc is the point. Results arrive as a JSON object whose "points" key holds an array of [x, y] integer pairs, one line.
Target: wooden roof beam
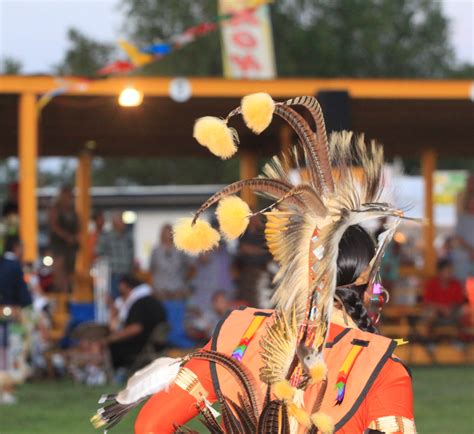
{"points": [[279, 88]]}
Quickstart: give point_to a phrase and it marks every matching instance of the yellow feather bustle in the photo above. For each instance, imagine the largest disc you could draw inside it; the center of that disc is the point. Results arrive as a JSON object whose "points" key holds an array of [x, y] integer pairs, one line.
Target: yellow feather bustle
{"points": [[318, 372], [195, 239], [300, 415], [323, 422], [257, 111], [283, 391], [214, 134], [233, 216]]}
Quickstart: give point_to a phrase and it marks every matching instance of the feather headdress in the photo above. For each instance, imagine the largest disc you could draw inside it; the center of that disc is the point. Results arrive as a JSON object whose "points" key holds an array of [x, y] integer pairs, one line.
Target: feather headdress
{"points": [[304, 227], [306, 221]]}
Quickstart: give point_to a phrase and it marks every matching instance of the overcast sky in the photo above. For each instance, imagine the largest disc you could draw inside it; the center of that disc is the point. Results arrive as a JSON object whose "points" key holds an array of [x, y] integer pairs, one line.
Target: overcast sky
{"points": [[34, 31]]}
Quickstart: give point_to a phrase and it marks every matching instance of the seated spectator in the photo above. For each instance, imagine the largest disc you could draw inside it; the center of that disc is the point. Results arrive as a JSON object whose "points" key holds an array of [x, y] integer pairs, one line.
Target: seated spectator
{"points": [[221, 304], [87, 362], [200, 323], [443, 297], [138, 313]]}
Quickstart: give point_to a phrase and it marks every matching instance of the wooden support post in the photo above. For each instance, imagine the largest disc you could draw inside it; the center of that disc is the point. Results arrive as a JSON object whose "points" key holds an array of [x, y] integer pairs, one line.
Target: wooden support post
{"points": [[28, 157], [428, 166], [83, 282], [248, 169]]}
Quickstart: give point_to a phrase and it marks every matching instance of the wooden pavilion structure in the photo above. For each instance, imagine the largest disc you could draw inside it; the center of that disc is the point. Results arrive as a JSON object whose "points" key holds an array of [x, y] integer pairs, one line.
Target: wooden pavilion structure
{"points": [[427, 119]]}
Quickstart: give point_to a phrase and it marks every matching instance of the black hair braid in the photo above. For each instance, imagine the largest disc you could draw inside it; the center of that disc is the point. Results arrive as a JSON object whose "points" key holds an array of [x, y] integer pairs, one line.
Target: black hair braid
{"points": [[356, 249], [355, 308]]}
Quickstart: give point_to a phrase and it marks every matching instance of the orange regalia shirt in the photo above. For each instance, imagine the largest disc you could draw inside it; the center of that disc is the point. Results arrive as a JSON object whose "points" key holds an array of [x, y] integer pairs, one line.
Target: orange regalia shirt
{"points": [[368, 388]]}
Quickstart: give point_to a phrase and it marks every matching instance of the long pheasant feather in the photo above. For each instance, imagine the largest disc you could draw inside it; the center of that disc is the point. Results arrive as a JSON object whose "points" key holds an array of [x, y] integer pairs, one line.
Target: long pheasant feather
{"points": [[209, 421], [322, 145], [240, 373], [271, 187], [247, 423], [231, 424]]}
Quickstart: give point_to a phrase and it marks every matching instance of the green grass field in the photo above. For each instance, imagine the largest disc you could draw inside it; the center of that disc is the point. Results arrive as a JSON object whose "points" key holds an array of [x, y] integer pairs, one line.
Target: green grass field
{"points": [[444, 404]]}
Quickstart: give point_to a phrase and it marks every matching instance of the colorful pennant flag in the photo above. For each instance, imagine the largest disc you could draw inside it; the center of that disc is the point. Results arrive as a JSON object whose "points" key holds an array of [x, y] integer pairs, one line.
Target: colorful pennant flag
{"points": [[65, 86], [118, 67], [151, 53], [137, 57], [157, 49]]}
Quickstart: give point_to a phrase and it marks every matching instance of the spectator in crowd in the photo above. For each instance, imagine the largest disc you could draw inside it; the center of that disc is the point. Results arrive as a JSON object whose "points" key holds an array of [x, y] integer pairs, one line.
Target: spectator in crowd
{"points": [[446, 251], [41, 340], [64, 239], [212, 273], [463, 253], [99, 221], [169, 268], [9, 219], [138, 313], [221, 304], [443, 297], [13, 288], [253, 258], [200, 324], [117, 246], [14, 294]]}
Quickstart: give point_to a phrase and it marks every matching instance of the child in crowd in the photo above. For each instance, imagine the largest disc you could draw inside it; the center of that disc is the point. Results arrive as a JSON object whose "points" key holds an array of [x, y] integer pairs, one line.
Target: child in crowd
{"points": [[443, 297]]}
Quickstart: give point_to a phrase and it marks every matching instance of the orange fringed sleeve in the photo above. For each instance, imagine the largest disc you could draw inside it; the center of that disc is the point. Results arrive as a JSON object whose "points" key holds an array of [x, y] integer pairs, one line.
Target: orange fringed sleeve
{"points": [[176, 406]]}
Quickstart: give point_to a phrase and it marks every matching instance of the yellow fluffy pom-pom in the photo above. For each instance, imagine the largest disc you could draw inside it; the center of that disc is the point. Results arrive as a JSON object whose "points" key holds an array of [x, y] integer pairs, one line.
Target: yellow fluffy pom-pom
{"points": [[323, 422], [233, 216], [318, 372], [213, 133], [195, 239], [257, 110], [300, 415], [282, 390]]}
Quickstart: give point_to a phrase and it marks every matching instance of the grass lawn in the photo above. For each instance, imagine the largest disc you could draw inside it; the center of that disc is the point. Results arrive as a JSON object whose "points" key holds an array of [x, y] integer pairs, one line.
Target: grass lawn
{"points": [[444, 404]]}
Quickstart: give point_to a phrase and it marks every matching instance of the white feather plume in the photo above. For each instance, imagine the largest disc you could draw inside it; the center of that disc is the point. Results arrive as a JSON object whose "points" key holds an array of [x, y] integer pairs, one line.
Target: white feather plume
{"points": [[153, 378]]}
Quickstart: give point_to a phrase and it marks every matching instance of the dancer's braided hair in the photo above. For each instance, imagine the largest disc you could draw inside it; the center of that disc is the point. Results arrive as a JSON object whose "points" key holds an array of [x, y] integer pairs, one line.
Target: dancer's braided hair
{"points": [[356, 249]]}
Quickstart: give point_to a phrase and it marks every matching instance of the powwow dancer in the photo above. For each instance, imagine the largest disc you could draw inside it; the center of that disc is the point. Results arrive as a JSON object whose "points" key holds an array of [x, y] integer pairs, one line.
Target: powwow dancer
{"points": [[314, 364]]}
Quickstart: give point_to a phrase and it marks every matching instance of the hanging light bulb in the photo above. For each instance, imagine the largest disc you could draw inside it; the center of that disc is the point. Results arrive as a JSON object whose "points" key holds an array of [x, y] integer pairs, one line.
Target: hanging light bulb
{"points": [[130, 97], [129, 217]]}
